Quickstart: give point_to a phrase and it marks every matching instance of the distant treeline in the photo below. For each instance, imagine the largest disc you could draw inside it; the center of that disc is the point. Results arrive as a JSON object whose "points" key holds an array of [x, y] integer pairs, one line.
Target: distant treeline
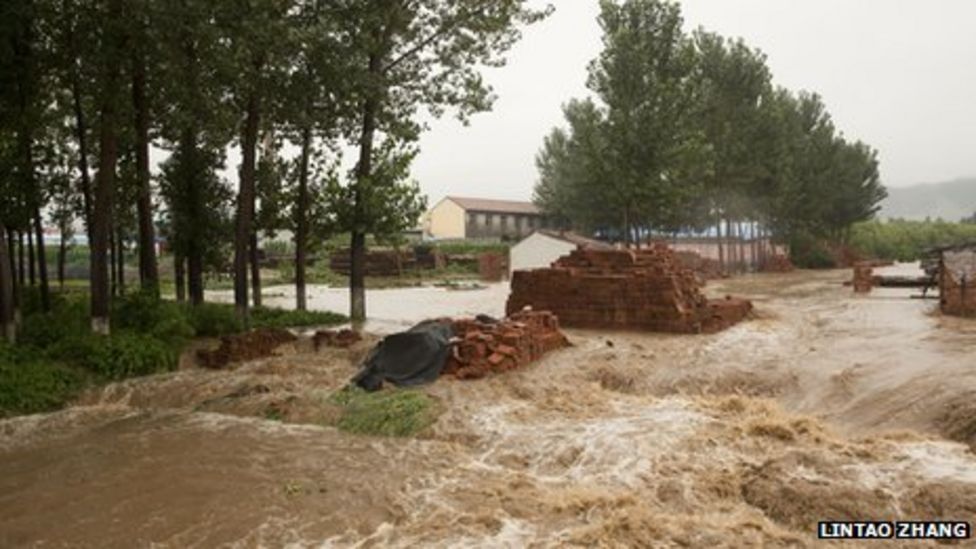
{"points": [[686, 131], [903, 240]]}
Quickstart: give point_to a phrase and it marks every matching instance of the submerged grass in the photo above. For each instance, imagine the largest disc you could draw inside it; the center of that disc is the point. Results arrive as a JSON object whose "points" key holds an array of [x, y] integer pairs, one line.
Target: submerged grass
{"points": [[391, 412]]}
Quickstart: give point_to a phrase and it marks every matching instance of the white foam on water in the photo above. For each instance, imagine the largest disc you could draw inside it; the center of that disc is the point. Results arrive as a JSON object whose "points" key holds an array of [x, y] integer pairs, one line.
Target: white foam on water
{"points": [[618, 448], [932, 461]]}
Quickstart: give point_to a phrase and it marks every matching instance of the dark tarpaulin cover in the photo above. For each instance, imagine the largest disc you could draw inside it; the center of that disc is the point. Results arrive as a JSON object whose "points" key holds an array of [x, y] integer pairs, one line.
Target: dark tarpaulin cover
{"points": [[414, 357]]}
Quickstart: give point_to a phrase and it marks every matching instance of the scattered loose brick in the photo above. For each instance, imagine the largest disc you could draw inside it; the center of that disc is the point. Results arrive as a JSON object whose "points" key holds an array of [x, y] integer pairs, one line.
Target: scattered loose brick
{"points": [[342, 339], [493, 347], [863, 277], [244, 347], [777, 263], [624, 289]]}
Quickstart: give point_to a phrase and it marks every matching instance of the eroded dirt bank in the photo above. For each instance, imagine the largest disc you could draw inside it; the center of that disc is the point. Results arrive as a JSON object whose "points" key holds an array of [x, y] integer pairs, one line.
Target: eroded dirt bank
{"points": [[826, 405]]}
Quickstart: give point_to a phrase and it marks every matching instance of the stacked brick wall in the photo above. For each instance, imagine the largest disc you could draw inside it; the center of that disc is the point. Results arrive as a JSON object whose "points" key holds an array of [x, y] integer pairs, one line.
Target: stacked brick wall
{"points": [[705, 267], [625, 289], [487, 347], [957, 282], [957, 298], [492, 267]]}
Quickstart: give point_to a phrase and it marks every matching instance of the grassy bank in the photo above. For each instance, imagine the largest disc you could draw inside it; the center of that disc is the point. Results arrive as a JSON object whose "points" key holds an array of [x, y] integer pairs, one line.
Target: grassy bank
{"points": [[390, 412], [56, 355]]}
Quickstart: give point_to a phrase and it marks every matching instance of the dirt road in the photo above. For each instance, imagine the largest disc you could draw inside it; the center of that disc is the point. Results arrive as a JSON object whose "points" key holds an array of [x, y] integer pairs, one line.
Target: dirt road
{"points": [[825, 405]]}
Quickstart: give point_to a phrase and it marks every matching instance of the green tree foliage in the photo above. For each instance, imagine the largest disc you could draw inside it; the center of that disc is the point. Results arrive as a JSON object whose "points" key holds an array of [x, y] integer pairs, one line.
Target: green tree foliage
{"points": [[89, 88], [413, 55], [688, 132], [905, 240]]}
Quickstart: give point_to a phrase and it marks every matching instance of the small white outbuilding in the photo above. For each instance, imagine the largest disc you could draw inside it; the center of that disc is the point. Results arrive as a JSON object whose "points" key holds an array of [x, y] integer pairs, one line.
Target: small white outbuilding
{"points": [[542, 247]]}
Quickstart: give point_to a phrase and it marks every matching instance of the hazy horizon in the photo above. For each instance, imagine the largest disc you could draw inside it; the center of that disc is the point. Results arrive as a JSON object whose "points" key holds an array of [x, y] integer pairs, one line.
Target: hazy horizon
{"points": [[905, 89]]}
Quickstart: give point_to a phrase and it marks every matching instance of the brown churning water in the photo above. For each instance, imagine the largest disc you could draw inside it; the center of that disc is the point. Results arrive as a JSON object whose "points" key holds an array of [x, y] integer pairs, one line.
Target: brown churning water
{"points": [[824, 405]]}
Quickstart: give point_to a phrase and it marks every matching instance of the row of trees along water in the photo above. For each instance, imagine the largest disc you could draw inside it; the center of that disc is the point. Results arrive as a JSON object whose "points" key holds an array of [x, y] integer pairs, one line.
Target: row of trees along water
{"points": [[685, 132], [90, 87]]}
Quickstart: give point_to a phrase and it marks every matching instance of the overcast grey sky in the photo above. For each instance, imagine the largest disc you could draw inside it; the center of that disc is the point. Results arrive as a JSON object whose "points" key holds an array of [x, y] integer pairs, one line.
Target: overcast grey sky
{"points": [[898, 74]]}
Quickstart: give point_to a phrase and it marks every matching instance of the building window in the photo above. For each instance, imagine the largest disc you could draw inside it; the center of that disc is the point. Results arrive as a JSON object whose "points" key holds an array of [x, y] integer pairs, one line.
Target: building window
{"points": [[504, 221], [472, 218], [489, 220]]}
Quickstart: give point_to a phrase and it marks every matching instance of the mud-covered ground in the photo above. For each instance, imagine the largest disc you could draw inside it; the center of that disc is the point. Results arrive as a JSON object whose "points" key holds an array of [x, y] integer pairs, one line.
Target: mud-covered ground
{"points": [[825, 405]]}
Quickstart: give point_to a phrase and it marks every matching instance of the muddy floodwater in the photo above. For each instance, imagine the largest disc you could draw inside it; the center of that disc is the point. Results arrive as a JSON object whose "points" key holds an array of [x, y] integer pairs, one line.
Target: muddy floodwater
{"points": [[824, 405]]}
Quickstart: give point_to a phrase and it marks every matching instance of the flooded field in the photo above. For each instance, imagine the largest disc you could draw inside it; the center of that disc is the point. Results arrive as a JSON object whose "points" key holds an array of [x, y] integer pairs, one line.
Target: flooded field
{"points": [[825, 405]]}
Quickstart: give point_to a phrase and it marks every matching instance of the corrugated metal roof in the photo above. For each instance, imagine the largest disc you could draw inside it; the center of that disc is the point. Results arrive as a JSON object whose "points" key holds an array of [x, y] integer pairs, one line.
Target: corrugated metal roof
{"points": [[495, 206]]}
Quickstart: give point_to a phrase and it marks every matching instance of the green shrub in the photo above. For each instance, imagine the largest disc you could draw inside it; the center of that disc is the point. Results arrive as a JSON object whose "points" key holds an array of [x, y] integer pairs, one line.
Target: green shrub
{"points": [[145, 313], [29, 383], [30, 300], [392, 412], [126, 355], [67, 318], [809, 253], [266, 317], [214, 320], [473, 247]]}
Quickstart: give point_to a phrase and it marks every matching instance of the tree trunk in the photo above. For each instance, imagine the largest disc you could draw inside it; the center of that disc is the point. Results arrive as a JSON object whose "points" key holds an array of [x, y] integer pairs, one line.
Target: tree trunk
{"points": [[148, 268], [194, 263], [255, 270], [31, 258], [732, 248], [41, 260], [742, 247], [21, 263], [16, 281], [301, 222], [179, 272], [105, 184], [113, 273], [8, 324], [120, 260], [82, 135], [245, 206], [721, 247], [62, 259], [364, 169]]}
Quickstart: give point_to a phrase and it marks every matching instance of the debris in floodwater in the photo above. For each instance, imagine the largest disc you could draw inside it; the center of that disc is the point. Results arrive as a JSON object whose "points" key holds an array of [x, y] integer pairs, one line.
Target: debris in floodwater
{"points": [[464, 348], [342, 339], [243, 347]]}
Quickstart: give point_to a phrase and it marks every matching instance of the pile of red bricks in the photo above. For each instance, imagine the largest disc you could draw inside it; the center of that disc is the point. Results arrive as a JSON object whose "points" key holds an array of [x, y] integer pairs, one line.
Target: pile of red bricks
{"points": [[705, 267], [244, 347], [957, 281], [492, 267], [342, 339], [777, 263], [624, 289], [863, 277], [492, 347]]}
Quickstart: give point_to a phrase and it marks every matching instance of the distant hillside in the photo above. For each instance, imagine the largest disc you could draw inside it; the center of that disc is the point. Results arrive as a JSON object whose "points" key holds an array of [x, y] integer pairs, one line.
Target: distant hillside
{"points": [[952, 200]]}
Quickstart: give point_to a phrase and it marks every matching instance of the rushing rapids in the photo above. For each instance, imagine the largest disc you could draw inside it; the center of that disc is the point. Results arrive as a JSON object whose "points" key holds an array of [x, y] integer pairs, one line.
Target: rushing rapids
{"points": [[826, 405]]}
